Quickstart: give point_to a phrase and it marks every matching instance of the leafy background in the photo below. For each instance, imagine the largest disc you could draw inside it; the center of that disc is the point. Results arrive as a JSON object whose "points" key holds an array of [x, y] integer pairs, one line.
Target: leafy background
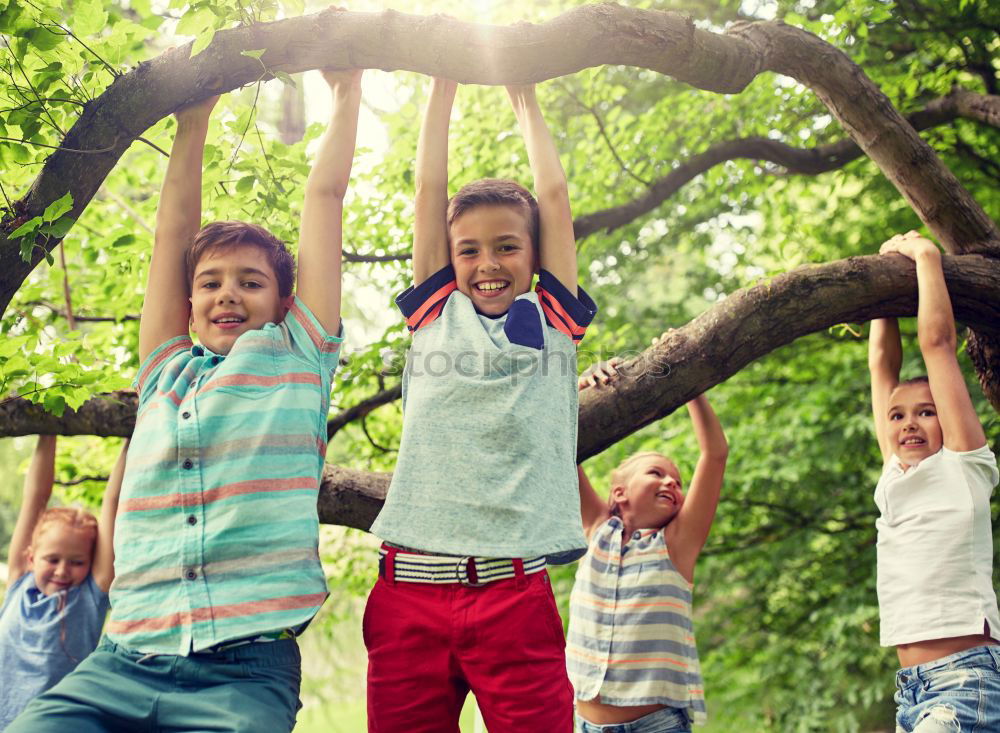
{"points": [[787, 615]]}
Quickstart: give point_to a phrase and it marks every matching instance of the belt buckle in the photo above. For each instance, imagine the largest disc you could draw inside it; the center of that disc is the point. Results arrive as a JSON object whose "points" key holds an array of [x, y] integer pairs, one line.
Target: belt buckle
{"points": [[464, 580]]}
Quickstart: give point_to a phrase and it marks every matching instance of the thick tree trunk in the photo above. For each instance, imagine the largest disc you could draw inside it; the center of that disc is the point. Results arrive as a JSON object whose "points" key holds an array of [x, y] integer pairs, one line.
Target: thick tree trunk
{"points": [[746, 326]]}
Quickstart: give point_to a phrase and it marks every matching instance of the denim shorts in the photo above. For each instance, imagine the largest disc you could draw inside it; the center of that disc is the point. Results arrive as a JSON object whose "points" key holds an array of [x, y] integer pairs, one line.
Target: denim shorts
{"points": [[666, 720], [959, 693]]}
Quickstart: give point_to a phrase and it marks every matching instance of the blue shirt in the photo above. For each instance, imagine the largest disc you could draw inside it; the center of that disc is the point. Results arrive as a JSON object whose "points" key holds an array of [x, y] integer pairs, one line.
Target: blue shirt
{"points": [[40, 643], [487, 460]]}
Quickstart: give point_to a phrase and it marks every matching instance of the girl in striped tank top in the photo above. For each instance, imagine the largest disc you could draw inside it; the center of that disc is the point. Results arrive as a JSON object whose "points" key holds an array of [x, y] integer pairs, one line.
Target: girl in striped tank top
{"points": [[630, 650]]}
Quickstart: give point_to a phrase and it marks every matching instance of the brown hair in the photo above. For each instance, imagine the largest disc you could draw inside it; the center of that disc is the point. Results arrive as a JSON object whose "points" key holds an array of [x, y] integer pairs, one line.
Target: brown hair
{"points": [[496, 192], [222, 235]]}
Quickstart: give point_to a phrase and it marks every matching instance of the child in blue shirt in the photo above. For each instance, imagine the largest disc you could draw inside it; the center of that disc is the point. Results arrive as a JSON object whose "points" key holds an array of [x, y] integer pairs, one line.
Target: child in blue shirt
{"points": [[60, 566], [485, 483]]}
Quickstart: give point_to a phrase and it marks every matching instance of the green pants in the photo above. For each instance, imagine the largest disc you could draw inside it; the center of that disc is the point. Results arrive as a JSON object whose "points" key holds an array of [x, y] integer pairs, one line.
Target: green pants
{"points": [[248, 689]]}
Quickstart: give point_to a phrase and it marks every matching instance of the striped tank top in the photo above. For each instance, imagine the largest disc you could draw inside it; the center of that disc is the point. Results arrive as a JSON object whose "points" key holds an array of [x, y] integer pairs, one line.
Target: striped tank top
{"points": [[630, 638]]}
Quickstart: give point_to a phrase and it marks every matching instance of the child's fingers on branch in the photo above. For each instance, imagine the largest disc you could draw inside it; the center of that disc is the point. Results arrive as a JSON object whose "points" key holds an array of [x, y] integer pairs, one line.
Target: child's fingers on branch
{"points": [[600, 374], [341, 77], [909, 245], [197, 111]]}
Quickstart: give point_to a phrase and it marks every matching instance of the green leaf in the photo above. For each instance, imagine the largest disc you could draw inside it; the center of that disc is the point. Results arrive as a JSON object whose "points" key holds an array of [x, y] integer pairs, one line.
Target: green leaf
{"points": [[29, 227], [285, 78], [58, 207], [245, 184], [256, 54], [42, 38], [58, 228], [54, 403], [202, 40], [89, 18], [124, 240], [196, 22]]}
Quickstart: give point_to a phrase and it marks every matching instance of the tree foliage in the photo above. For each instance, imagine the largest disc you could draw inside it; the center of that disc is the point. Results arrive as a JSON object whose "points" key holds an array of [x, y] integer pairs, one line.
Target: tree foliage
{"points": [[788, 616]]}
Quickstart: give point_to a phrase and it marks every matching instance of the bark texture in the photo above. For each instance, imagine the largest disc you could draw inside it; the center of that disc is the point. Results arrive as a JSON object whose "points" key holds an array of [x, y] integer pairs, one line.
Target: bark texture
{"points": [[589, 36], [746, 326]]}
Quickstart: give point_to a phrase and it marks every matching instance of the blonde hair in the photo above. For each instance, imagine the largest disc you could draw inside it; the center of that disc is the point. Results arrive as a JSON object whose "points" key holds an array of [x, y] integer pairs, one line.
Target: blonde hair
{"points": [[69, 517], [623, 472]]}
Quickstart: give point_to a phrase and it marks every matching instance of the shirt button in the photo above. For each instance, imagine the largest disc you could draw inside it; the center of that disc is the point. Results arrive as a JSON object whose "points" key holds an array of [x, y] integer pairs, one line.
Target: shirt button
{"points": [[192, 519], [636, 535], [185, 414], [190, 574], [216, 359], [187, 463]]}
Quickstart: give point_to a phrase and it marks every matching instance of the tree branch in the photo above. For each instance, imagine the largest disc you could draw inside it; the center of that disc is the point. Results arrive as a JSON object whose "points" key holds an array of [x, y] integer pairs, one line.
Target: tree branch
{"points": [[746, 326], [803, 161]]}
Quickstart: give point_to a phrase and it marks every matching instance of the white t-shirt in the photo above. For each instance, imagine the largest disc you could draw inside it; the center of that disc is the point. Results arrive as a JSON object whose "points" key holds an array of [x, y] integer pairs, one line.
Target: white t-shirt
{"points": [[935, 547]]}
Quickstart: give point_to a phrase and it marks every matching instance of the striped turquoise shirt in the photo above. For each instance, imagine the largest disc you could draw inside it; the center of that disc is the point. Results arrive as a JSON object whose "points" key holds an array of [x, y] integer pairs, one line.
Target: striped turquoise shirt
{"points": [[217, 532], [630, 637]]}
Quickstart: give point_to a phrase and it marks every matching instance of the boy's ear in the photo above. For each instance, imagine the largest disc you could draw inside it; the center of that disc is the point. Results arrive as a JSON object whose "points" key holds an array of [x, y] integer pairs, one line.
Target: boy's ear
{"points": [[286, 304], [618, 494]]}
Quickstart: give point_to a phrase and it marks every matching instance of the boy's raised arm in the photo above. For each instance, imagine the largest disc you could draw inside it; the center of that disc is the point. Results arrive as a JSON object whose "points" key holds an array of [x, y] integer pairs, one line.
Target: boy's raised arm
{"points": [[694, 521], [936, 333], [322, 233], [430, 204], [37, 490], [103, 567], [165, 308], [557, 243], [885, 356]]}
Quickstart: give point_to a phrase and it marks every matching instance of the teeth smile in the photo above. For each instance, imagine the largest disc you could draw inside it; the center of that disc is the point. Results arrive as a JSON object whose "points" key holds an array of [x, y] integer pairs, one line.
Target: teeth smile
{"points": [[228, 320], [491, 285]]}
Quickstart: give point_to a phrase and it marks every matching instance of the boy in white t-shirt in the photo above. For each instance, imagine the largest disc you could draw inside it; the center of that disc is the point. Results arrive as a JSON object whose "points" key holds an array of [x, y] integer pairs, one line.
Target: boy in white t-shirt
{"points": [[935, 556]]}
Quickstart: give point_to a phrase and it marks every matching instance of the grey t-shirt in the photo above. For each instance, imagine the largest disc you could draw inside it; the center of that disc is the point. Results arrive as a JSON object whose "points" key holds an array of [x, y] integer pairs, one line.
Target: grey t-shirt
{"points": [[487, 461]]}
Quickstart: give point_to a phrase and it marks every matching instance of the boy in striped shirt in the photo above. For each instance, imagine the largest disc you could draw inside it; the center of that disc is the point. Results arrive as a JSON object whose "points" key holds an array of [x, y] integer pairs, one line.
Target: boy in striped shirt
{"points": [[484, 490], [216, 545]]}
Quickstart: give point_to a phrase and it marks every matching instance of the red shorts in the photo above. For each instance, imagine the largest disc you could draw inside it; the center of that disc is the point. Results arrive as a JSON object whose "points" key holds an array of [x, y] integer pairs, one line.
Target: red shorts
{"points": [[429, 645]]}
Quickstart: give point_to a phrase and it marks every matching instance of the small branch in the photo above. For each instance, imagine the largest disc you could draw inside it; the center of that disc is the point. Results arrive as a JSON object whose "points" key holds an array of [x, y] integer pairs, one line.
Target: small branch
{"points": [[38, 97], [70, 320], [124, 206], [82, 319], [57, 147], [364, 429], [361, 409], [154, 146], [82, 479]]}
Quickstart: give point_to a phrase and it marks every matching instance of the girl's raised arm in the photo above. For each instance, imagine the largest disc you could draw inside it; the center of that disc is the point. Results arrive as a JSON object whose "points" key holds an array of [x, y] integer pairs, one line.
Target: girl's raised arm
{"points": [[37, 490], [686, 535], [960, 424], [103, 568]]}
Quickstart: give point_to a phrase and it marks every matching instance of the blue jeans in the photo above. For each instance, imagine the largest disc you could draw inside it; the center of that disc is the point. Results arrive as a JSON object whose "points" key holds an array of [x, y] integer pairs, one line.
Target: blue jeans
{"points": [[667, 720], [959, 693], [246, 689]]}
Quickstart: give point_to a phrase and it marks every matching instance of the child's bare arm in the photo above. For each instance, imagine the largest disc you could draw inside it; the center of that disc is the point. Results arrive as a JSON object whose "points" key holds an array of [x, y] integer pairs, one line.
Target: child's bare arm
{"points": [[936, 333], [322, 233], [689, 530], [103, 568], [165, 309], [37, 490], [430, 205], [885, 356], [557, 243], [593, 509]]}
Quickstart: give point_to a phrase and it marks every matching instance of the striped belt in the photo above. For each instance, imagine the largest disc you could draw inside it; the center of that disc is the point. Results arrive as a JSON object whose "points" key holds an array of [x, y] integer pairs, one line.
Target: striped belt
{"points": [[402, 566]]}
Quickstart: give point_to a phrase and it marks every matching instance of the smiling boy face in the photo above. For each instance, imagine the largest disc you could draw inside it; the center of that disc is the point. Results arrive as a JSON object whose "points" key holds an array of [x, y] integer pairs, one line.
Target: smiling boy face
{"points": [[493, 256], [234, 290], [914, 428]]}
